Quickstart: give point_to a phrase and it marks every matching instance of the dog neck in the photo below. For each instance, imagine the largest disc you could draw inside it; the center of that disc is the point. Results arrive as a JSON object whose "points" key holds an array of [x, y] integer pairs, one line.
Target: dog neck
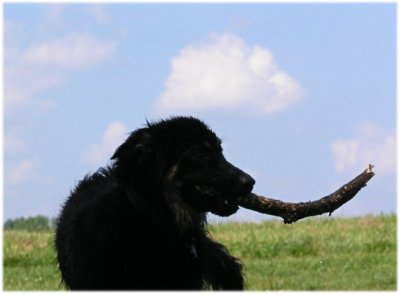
{"points": [[186, 218]]}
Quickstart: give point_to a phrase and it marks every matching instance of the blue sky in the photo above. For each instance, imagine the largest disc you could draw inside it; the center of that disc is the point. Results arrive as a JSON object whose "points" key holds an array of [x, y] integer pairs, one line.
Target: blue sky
{"points": [[303, 95]]}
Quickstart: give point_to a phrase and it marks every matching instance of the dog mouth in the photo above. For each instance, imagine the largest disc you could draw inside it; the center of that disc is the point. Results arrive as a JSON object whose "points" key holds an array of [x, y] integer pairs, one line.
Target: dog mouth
{"points": [[215, 202]]}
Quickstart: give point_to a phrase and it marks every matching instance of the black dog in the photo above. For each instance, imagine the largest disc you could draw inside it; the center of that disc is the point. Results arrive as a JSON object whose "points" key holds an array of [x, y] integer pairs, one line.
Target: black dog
{"points": [[141, 223]]}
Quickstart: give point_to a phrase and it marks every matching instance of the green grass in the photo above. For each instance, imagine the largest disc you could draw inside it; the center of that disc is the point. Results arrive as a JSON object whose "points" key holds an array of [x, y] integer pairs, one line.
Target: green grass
{"points": [[316, 254], [29, 261]]}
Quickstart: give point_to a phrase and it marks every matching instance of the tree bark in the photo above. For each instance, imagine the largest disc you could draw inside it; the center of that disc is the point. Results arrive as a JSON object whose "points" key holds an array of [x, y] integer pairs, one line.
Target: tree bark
{"points": [[292, 212]]}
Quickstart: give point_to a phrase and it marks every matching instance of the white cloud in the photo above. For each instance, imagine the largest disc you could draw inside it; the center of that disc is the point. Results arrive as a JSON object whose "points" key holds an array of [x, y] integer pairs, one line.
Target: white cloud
{"points": [[70, 52], [225, 73], [21, 172], [370, 144], [99, 12], [53, 13], [26, 170], [13, 144], [45, 65], [21, 83], [111, 139]]}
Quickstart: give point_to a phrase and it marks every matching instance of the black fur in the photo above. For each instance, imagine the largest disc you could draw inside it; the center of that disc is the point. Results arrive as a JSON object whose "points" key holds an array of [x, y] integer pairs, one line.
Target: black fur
{"points": [[141, 223]]}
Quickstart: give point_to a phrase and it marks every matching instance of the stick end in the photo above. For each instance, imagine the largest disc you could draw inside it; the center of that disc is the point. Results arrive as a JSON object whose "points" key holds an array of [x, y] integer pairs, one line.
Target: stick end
{"points": [[369, 169]]}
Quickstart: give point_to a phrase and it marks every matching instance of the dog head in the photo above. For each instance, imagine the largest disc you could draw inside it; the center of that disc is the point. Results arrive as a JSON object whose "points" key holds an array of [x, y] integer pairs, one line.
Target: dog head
{"points": [[184, 157]]}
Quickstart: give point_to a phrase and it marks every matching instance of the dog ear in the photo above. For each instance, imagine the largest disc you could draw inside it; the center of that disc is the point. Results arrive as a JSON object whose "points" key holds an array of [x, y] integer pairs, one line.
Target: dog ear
{"points": [[136, 165], [135, 159], [138, 143]]}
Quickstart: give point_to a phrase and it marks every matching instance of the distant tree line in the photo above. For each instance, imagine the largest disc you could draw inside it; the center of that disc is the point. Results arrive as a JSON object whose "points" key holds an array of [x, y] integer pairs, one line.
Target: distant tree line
{"points": [[31, 224]]}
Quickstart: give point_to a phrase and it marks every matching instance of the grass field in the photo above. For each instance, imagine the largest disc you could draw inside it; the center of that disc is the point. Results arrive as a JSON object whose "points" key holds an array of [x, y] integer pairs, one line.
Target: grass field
{"points": [[316, 254]]}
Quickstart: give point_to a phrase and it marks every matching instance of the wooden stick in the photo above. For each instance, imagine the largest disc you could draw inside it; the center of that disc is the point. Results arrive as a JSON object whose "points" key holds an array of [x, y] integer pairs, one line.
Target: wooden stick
{"points": [[292, 212]]}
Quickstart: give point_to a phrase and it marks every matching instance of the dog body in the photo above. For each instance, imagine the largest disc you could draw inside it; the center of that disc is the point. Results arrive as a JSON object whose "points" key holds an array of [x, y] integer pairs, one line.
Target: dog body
{"points": [[141, 222]]}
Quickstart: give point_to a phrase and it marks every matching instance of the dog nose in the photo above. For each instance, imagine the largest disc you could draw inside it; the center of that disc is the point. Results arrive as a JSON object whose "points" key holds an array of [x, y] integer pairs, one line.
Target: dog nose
{"points": [[246, 182]]}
